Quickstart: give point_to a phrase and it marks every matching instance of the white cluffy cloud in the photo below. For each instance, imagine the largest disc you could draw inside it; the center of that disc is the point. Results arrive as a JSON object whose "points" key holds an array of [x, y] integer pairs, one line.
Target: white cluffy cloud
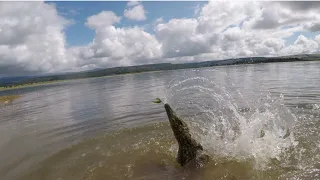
{"points": [[318, 38], [132, 3], [114, 46], [237, 29], [135, 11], [105, 18], [32, 37]]}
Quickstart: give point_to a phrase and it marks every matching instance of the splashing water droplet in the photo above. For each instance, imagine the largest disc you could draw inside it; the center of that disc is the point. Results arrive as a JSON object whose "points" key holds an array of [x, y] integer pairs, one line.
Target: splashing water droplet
{"points": [[228, 125]]}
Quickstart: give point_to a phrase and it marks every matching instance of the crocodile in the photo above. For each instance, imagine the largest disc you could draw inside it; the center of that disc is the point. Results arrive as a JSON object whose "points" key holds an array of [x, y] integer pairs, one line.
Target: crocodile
{"points": [[190, 150]]}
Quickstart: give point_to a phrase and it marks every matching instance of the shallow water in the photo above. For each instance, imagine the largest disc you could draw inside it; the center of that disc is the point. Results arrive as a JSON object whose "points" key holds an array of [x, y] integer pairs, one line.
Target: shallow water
{"points": [[107, 128]]}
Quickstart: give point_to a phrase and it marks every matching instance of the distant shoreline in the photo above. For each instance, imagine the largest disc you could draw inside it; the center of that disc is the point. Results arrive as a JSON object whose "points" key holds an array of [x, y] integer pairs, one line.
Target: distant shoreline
{"points": [[22, 86], [52, 79], [27, 85]]}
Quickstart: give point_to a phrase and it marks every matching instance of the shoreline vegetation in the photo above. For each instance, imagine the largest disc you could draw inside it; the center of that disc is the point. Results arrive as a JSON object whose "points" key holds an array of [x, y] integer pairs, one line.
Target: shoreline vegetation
{"points": [[19, 86], [8, 99], [24, 82]]}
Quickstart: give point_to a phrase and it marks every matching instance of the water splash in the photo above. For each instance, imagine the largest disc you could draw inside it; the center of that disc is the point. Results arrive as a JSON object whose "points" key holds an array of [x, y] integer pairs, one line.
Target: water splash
{"points": [[230, 125]]}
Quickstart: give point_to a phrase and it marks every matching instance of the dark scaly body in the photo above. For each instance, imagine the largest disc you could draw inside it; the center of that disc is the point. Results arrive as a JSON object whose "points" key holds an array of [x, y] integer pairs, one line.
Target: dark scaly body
{"points": [[189, 148]]}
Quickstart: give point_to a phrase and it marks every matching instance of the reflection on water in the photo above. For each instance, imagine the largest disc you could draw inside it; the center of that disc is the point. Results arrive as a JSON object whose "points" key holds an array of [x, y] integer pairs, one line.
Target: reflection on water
{"points": [[74, 130]]}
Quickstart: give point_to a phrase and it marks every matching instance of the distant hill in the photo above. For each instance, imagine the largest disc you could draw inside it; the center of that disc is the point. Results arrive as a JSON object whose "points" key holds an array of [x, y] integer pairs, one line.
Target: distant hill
{"points": [[4, 81], [12, 81]]}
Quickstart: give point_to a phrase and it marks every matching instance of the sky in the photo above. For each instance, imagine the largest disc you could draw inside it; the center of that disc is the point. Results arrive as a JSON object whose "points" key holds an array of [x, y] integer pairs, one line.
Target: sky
{"points": [[54, 37]]}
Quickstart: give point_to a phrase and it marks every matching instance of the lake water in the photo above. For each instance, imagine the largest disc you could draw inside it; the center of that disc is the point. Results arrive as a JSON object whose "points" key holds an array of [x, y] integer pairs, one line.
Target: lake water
{"points": [[108, 128]]}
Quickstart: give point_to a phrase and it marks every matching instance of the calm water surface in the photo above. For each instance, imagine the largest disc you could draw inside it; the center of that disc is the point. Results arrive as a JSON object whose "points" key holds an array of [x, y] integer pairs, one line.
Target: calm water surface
{"points": [[107, 128]]}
